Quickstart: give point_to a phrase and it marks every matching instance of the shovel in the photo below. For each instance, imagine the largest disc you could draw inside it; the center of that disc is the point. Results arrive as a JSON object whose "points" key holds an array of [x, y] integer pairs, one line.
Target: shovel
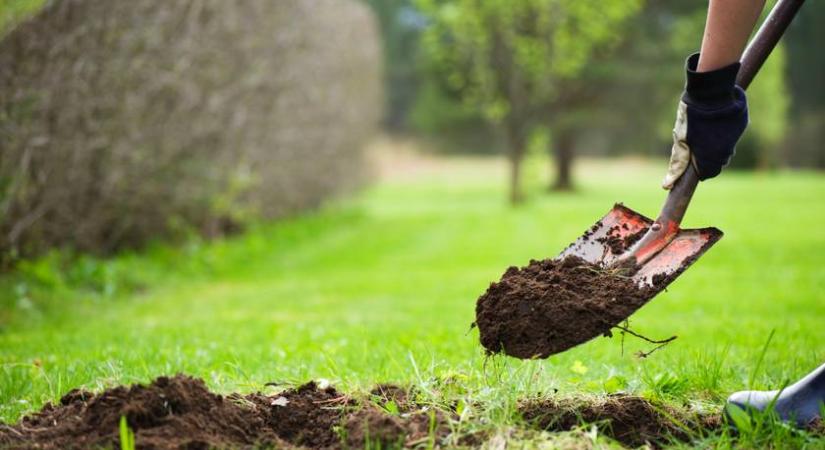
{"points": [[660, 249], [514, 319]]}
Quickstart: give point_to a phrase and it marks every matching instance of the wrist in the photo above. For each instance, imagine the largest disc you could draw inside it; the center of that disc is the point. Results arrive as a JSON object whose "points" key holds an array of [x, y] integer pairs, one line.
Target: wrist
{"points": [[711, 89]]}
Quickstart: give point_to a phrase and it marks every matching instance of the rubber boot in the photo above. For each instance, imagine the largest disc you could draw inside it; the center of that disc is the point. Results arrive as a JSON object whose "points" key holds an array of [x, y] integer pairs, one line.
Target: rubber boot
{"points": [[801, 402]]}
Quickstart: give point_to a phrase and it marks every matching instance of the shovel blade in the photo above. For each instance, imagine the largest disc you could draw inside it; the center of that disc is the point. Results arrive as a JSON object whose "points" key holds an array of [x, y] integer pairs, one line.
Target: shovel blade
{"points": [[621, 227]]}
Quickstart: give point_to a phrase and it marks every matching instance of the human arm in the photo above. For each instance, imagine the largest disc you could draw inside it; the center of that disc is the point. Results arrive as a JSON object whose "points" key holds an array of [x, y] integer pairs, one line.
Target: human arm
{"points": [[713, 112], [727, 28]]}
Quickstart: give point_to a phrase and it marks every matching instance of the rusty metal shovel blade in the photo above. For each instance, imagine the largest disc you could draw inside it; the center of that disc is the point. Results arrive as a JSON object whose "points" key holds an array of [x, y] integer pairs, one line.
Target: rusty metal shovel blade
{"points": [[606, 241]]}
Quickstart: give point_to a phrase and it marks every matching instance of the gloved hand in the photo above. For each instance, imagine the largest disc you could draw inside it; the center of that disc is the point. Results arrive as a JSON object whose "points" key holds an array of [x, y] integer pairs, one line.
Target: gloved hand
{"points": [[712, 116]]}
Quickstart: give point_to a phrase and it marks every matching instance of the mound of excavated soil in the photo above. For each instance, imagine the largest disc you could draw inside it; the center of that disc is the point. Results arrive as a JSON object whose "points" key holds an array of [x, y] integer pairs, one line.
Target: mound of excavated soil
{"points": [[550, 306], [630, 420], [179, 412], [174, 412]]}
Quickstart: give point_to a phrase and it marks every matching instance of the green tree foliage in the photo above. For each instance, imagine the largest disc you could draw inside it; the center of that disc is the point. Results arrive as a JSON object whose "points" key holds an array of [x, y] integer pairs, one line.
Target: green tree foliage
{"points": [[518, 61], [806, 82], [768, 104], [641, 81], [401, 26]]}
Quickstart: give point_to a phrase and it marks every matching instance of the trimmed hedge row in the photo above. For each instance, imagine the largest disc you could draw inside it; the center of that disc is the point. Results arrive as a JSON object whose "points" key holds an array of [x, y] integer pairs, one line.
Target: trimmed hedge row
{"points": [[123, 121]]}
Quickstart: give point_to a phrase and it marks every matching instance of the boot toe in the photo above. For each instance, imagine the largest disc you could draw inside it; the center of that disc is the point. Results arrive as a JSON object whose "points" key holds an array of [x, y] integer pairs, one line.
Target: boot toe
{"points": [[758, 400]]}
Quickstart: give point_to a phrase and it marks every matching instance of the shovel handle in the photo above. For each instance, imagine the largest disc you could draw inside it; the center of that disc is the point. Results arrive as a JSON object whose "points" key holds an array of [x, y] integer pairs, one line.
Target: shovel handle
{"points": [[678, 199], [766, 39]]}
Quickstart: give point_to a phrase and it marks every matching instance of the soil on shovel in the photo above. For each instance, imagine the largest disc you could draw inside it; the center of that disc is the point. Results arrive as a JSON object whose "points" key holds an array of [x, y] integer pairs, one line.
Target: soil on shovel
{"points": [[179, 412], [618, 244], [552, 305]]}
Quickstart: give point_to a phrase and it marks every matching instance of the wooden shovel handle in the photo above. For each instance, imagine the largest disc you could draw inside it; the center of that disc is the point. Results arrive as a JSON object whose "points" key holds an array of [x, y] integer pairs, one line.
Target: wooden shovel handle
{"points": [[766, 39], [678, 199]]}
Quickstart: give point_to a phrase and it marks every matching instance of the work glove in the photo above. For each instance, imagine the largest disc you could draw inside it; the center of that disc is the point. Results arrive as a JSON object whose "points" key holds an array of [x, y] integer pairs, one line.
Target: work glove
{"points": [[712, 116]]}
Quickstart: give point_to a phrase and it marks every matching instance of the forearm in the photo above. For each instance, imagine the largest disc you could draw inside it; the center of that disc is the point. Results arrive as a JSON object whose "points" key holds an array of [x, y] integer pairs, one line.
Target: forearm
{"points": [[729, 24]]}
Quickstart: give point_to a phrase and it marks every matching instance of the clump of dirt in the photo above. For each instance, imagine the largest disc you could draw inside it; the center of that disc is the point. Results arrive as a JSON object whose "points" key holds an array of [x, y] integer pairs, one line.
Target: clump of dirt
{"points": [[305, 416], [392, 392], [403, 398], [628, 419], [171, 412], [617, 243], [179, 412], [410, 422], [372, 427], [552, 305]]}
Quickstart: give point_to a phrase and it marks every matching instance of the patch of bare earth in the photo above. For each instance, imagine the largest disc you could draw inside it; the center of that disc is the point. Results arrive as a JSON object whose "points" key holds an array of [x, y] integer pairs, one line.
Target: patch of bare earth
{"points": [[181, 413], [631, 420]]}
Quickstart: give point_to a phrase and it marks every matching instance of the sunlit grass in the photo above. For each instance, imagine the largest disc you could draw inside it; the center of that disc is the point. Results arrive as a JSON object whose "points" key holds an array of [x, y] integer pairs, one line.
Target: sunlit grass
{"points": [[382, 288], [13, 11]]}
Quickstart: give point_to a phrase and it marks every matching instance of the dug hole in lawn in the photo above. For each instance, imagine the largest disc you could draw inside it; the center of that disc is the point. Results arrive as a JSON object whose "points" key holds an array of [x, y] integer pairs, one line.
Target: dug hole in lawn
{"points": [[180, 412]]}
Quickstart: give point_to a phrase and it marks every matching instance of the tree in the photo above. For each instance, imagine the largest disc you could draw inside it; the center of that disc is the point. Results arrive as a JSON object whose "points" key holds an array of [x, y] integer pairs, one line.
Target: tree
{"points": [[806, 82], [518, 61], [400, 26]]}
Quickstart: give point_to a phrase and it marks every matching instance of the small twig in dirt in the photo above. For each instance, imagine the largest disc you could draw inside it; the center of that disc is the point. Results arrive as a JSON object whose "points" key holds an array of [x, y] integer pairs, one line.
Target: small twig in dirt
{"points": [[341, 399], [8, 428], [416, 442], [617, 272]]}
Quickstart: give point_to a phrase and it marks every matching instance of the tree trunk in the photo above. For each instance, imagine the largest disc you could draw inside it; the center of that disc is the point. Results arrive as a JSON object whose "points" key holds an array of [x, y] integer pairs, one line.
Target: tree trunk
{"points": [[517, 144], [564, 146]]}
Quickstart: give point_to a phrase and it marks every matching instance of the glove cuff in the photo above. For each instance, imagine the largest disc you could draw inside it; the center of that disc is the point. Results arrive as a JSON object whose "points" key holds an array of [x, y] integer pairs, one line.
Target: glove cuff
{"points": [[713, 89]]}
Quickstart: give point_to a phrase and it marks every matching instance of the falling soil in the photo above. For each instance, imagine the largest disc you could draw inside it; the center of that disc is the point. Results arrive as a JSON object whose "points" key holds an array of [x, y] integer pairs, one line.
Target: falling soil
{"points": [[180, 413], [550, 306], [628, 419]]}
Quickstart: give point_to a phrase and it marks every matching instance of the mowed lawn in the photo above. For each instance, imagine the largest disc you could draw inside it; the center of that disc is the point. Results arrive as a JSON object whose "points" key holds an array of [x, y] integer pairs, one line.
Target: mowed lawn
{"points": [[381, 287]]}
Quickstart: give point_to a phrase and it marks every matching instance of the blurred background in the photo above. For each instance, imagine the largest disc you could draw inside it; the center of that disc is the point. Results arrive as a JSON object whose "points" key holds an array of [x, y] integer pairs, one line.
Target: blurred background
{"points": [[124, 122], [262, 190]]}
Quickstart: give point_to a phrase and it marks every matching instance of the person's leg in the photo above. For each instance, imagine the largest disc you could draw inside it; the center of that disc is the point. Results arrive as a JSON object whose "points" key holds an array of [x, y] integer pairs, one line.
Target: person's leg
{"points": [[801, 402]]}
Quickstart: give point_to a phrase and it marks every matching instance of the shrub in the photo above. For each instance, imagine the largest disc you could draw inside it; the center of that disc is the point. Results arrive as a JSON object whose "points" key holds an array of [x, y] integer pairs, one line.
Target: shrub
{"points": [[125, 121]]}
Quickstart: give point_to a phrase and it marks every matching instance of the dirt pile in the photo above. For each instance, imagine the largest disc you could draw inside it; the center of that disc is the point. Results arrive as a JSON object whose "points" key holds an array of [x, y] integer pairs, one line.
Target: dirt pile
{"points": [[176, 412], [630, 420], [305, 416], [180, 412], [550, 306]]}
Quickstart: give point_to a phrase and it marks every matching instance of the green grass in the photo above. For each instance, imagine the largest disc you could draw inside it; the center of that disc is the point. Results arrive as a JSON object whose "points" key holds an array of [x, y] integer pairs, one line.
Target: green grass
{"points": [[381, 288], [13, 11]]}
